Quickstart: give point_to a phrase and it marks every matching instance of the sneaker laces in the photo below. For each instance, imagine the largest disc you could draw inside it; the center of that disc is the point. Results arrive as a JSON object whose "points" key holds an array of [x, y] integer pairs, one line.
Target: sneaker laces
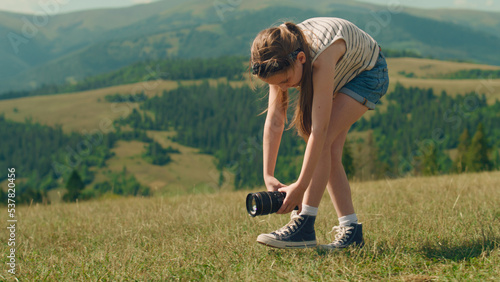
{"points": [[291, 226], [343, 233]]}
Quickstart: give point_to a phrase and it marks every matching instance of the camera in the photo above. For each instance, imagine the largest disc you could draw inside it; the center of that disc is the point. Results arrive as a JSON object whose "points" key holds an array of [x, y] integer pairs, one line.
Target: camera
{"points": [[262, 203]]}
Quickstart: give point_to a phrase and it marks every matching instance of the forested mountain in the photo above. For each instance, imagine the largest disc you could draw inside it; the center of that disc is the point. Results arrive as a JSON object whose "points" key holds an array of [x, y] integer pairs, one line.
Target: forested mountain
{"points": [[415, 133], [69, 47], [413, 136], [229, 67], [44, 158], [488, 22], [418, 131], [419, 123]]}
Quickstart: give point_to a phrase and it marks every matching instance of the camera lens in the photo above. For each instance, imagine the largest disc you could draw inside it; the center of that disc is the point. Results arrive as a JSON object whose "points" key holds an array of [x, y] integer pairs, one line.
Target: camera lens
{"points": [[262, 203], [253, 204]]}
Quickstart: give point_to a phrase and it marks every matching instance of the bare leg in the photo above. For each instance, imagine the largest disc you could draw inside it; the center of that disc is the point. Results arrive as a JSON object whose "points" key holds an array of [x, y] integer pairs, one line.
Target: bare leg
{"points": [[345, 111], [314, 192], [338, 185]]}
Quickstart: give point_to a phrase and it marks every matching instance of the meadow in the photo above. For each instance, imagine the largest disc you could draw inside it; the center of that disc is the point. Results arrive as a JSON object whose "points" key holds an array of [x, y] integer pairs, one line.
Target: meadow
{"points": [[416, 229], [84, 110], [438, 228]]}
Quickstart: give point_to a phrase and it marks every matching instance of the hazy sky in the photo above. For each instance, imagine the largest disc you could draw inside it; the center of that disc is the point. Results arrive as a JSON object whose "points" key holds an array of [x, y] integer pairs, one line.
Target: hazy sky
{"points": [[484, 5], [64, 6], [33, 6]]}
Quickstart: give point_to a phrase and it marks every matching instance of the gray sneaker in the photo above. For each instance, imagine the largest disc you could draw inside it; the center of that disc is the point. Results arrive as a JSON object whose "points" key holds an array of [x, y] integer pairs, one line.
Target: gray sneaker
{"points": [[346, 236], [298, 233]]}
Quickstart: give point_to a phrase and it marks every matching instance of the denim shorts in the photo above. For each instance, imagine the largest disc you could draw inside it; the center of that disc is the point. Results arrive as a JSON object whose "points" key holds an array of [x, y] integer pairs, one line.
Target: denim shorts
{"points": [[370, 85]]}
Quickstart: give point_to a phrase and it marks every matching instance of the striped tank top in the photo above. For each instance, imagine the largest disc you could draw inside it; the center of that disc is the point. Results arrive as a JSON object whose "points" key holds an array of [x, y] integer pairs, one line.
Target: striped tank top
{"points": [[361, 49]]}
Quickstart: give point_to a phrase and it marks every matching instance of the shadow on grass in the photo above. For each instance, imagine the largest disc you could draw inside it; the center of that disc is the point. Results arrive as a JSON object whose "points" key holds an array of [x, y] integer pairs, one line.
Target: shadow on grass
{"points": [[466, 250], [459, 252]]}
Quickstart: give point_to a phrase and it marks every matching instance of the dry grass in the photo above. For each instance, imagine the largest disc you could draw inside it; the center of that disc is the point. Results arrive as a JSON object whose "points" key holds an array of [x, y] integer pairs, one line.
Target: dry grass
{"points": [[427, 67], [85, 110], [416, 229], [491, 88], [189, 171], [75, 111]]}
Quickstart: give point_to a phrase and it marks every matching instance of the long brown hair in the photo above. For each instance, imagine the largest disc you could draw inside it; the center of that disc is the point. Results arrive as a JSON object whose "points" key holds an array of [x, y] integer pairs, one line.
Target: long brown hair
{"points": [[270, 55]]}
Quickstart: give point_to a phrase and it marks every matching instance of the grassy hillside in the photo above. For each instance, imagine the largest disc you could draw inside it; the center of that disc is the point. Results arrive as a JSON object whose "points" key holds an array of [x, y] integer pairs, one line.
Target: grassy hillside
{"points": [[400, 68], [85, 110], [189, 172], [416, 229], [428, 67], [82, 110]]}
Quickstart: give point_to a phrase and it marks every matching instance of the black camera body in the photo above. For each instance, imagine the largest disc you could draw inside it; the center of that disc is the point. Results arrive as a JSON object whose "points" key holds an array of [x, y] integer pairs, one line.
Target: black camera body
{"points": [[262, 203]]}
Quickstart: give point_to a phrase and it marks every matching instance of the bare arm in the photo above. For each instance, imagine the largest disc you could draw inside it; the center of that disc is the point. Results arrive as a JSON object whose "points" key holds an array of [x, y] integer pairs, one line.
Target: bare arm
{"points": [[273, 130]]}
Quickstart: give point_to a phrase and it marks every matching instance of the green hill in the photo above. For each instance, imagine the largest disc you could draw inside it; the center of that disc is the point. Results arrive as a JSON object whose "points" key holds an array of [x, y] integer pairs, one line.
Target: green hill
{"points": [[188, 116], [76, 45], [488, 22]]}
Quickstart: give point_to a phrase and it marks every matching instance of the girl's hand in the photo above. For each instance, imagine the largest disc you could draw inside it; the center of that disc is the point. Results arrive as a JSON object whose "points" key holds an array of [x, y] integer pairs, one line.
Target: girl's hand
{"points": [[294, 195], [273, 184]]}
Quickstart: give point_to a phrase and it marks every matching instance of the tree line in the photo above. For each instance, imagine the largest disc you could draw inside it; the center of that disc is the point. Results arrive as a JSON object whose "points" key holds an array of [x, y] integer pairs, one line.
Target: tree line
{"points": [[223, 121], [418, 127], [413, 136], [46, 158], [230, 67], [460, 74], [470, 74], [419, 132]]}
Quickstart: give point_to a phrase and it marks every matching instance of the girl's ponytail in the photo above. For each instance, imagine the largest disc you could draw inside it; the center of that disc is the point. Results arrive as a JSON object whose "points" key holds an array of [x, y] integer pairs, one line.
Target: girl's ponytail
{"points": [[270, 54], [302, 119]]}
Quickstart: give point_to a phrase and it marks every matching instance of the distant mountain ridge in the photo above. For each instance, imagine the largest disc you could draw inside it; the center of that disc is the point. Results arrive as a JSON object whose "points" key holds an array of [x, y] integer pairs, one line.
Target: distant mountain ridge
{"points": [[70, 47]]}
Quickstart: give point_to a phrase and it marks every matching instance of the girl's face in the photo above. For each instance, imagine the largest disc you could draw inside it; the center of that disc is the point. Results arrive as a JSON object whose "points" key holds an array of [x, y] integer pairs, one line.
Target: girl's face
{"points": [[289, 78]]}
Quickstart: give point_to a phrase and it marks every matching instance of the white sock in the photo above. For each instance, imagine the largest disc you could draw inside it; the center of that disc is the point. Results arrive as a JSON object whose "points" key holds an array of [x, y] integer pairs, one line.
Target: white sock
{"points": [[348, 219], [308, 210]]}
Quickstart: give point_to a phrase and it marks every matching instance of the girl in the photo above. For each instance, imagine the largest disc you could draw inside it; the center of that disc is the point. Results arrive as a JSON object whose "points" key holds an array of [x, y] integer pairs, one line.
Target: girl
{"points": [[341, 73]]}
